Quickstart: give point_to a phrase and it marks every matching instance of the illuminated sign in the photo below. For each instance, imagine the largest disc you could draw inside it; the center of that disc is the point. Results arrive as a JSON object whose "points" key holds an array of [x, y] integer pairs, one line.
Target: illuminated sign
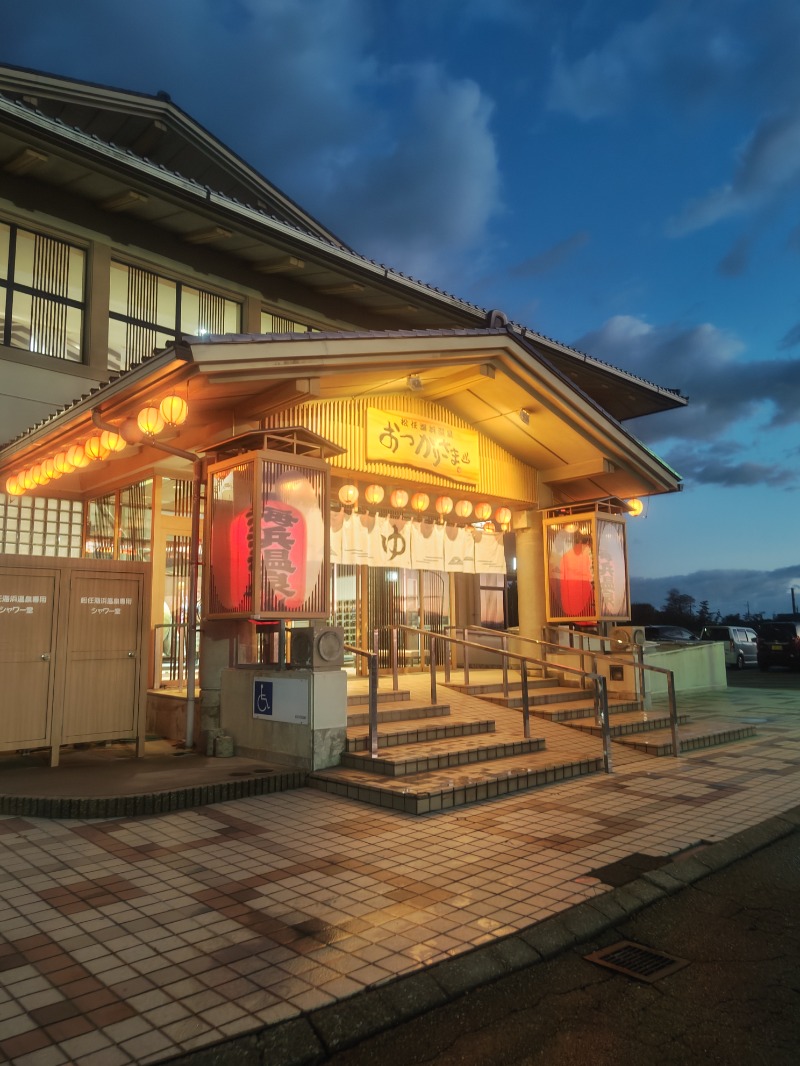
{"points": [[411, 440]]}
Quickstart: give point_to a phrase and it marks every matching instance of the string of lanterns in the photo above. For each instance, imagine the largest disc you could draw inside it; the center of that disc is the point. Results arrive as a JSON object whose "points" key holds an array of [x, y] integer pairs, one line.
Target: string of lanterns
{"points": [[419, 502], [172, 411]]}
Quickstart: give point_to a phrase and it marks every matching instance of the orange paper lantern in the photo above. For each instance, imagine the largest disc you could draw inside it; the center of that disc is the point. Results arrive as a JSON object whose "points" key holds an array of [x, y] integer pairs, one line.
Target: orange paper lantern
{"points": [[150, 421], [93, 448], [483, 511], [76, 456], [174, 410], [348, 495], [112, 442], [420, 501], [62, 464], [398, 499]]}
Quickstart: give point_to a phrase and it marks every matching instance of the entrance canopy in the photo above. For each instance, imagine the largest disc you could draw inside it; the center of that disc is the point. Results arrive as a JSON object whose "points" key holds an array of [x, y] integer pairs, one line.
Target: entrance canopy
{"points": [[491, 379]]}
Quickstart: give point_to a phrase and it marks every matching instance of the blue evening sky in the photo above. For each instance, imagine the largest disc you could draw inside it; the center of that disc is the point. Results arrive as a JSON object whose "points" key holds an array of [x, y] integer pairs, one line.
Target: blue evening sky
{"points": [[621, 175]]}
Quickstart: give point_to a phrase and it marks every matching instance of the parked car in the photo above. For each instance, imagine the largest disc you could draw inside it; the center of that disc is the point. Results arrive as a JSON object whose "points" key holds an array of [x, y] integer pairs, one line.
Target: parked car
{"points": [[778, 644], [740, 644], [669, 634]]}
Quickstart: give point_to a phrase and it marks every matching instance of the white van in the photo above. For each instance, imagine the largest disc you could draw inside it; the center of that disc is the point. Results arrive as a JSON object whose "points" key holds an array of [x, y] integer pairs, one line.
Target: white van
{"points": [[740, 644]]}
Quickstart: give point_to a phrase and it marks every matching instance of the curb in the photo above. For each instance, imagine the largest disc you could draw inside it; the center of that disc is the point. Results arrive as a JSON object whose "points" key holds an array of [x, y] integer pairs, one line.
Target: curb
{"points": [[311, 1037], [178, 799]]}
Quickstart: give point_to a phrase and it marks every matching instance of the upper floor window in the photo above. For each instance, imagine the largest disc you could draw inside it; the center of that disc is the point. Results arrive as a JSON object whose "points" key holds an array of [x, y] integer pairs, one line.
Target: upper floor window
{"points": [[42, 283], [278, 324], [147, 312]]}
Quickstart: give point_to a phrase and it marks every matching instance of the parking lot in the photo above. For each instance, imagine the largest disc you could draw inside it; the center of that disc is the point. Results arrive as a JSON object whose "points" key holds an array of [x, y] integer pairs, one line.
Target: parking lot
{"points": [[777, 677]]}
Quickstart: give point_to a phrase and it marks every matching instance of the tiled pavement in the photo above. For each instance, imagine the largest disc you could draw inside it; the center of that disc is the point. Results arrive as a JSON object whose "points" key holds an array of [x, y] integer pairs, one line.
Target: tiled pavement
{"points": [[137, 940]]}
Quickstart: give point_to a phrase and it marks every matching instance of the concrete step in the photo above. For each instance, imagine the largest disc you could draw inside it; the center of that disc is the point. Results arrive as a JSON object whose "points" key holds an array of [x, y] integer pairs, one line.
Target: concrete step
{"points": [[485, 689], [361, 699], [438, 790], [408, 759], [543, 694], [624, 724], [568, 711], [400, 712], [358, 736], [692, 737]]}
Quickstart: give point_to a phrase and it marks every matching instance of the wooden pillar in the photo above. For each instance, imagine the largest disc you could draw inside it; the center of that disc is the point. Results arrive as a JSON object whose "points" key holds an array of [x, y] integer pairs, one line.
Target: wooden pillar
{"points": [[531, 578]]}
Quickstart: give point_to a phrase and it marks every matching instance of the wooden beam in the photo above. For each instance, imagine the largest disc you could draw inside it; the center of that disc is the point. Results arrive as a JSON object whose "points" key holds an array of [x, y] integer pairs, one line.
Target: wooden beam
{"points": [[578, 471], [286, 265]]}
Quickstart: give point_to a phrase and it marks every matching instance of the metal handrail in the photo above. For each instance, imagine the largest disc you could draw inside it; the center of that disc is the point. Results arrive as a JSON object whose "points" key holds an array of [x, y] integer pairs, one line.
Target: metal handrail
{"points": [[636, 662], [372, 658], [600, 686]]}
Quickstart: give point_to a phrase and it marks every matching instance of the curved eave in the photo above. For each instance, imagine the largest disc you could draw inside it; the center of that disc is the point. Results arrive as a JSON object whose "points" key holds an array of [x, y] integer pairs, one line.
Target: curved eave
{"points": [[488, 378]]}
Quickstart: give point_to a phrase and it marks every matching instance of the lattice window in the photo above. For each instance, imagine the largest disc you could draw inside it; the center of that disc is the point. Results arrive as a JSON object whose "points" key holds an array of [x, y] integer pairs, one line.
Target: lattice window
{"points": [[42, 283], [278, 324], [147, 312], [40, 526]]}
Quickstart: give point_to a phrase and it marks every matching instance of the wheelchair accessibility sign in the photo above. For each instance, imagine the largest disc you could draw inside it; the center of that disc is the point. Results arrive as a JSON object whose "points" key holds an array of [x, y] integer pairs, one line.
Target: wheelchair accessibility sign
{"points": [[262, 699], [281, 700]]}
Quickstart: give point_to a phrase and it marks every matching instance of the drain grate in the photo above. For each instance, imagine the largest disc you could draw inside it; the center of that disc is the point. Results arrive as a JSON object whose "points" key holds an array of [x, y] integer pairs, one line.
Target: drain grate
{"points": [[635, 960]]}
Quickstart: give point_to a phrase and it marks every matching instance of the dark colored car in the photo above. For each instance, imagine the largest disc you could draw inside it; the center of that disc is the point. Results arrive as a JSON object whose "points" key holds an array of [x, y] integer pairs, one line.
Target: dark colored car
{"points": [[778, 644], [669, 634]]}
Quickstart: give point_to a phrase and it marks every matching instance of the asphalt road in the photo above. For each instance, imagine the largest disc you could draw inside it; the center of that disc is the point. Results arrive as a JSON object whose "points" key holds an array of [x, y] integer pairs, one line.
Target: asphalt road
{"points": [[775, 677], [736, 1002]]}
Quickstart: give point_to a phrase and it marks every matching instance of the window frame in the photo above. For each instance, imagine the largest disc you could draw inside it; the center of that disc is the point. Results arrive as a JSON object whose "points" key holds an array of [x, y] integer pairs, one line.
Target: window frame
{"points": [[9, 287]]}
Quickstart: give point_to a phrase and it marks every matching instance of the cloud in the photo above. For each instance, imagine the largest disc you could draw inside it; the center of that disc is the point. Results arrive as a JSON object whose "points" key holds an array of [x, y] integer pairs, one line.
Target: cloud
{"points": [[686, 52], [428, 193], [711, 367], [791, 339], [727, 591], [399, 161], [768, 171], [686, 61], [551, 258], [712, 465]]}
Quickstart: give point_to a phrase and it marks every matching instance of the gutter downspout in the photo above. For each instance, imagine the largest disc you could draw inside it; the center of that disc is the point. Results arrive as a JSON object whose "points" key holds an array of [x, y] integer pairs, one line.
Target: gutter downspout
{"points": [[191, 634]]}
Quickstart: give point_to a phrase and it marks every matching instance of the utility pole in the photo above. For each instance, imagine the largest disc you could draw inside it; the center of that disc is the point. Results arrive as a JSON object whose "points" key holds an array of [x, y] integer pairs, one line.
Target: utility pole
{"points": [[794, 605]]}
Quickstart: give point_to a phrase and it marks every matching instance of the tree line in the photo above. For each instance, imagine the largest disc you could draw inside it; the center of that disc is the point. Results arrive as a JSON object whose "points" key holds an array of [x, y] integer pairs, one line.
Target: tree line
{"points": [[682, 610]]}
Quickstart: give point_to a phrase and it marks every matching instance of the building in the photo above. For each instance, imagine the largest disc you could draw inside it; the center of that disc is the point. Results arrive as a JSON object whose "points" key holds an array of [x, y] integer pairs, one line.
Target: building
{"points": [[179, 337]]}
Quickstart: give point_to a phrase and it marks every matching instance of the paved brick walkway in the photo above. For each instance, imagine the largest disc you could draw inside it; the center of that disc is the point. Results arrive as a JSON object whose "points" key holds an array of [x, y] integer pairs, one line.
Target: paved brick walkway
{"points": [[133, 941]]}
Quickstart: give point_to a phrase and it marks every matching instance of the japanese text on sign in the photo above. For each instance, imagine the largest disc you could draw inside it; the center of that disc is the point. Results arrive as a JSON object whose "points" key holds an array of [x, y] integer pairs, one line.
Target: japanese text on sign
{"points": [[19, 604], [106, 605], [397, 437]]}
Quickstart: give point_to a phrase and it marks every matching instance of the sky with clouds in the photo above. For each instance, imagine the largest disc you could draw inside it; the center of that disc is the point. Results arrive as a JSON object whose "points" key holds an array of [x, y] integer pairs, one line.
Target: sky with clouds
{"points": [[621, 175]]}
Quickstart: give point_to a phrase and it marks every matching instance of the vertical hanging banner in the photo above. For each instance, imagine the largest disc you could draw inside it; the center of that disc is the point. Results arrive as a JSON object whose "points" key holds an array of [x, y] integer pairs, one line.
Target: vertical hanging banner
{"points": [[427, 546], [612, 569], [356, 539], [337, 524], [490, 556], [411, 440], [459, 550], [392, 543], [231, 536], [292, 538]]}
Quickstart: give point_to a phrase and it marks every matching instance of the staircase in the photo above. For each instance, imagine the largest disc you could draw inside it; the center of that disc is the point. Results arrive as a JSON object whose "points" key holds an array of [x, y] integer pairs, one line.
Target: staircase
{"points": [[433, 757], [438, 756], [645, 731]]}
